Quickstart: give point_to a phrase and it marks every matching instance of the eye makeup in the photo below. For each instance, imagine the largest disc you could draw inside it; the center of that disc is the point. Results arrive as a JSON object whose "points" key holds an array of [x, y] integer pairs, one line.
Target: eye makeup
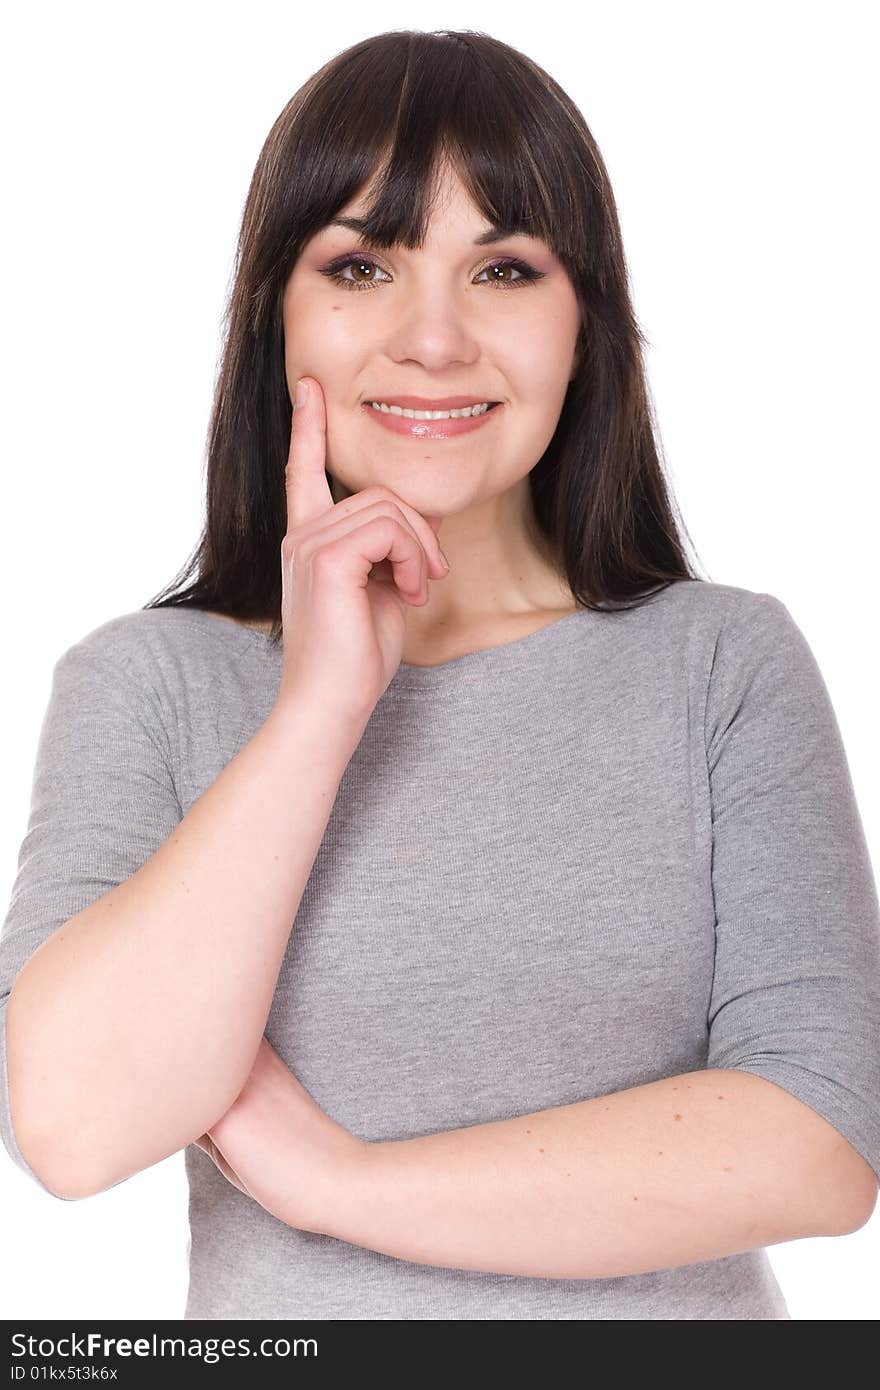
{"points": [[527, 274]]}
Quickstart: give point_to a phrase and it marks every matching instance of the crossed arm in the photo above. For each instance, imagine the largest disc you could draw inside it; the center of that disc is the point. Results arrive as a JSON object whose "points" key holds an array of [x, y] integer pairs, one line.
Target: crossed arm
{"points": [[689, 1168]]}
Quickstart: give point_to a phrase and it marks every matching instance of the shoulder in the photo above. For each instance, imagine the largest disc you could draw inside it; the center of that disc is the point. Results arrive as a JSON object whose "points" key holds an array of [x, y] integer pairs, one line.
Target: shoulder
{"points": [[758, 673], [155, 638], [727, 639], [747, 626], [152, 659], [702, 598], [705, 613], [128, 645]]}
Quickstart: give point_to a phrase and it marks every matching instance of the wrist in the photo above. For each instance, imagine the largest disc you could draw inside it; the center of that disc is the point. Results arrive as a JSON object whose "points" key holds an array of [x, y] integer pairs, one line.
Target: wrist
{"points": [[300, 721]]}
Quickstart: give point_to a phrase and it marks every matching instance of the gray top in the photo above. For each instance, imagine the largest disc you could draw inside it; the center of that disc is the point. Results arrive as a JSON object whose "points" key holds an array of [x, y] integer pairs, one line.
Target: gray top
{"points": [[621, 848]]}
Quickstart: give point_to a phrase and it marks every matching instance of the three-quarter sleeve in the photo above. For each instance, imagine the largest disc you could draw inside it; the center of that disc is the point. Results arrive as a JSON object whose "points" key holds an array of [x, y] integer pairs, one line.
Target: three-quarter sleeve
{"points": [[796, 988], [103, 801]]}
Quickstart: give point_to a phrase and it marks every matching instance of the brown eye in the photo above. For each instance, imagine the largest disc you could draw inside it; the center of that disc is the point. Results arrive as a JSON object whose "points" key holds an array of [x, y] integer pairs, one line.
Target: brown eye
{"points": [[365, 277], [525, 274], [362, 267], [499, 272]]}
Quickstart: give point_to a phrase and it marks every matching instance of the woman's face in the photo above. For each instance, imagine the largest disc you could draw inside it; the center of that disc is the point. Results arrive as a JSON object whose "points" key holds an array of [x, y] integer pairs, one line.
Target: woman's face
{"points": [[432, 323]]}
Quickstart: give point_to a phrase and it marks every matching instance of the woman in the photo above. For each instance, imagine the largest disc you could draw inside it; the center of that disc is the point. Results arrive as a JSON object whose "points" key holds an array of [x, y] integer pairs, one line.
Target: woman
{"points": [[499, 940]]}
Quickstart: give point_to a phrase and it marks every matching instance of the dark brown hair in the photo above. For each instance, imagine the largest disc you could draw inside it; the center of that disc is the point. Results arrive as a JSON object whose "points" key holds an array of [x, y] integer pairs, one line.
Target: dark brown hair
{"points": [[402, 104]]}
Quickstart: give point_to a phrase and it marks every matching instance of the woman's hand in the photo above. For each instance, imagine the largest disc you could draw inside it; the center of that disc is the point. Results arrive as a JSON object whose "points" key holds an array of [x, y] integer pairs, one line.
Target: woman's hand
{"points": [[276, 1145], [348, 571]]}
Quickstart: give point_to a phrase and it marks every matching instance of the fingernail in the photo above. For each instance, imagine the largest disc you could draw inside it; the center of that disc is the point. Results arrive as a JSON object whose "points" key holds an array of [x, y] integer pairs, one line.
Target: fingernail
{"points": [[302, 392], [444, 559]]}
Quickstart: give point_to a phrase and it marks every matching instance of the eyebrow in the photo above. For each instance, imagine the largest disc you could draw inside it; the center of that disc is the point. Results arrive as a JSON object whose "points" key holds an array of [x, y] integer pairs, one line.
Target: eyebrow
{"points": [[487, 238]]}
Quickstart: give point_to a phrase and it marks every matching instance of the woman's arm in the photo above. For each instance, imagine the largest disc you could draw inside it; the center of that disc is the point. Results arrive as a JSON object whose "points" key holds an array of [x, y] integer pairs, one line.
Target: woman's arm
{"points": [[135, 1024], [689, 1168]]}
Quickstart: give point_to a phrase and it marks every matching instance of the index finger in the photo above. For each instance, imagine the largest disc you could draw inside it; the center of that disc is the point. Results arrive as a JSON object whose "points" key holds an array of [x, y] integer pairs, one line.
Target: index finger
{"points": [[308, 492]]}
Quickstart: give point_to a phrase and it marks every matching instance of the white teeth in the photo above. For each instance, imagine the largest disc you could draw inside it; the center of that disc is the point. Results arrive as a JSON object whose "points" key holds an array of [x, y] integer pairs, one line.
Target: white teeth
{"points": [[432, 414]]}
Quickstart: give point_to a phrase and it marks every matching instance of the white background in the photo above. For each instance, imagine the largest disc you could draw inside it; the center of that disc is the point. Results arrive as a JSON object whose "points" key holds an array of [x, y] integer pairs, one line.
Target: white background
{"points": [[741, 142]]}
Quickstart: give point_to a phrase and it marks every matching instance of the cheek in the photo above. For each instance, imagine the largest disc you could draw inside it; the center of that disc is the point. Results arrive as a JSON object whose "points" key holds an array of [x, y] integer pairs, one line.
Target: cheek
{"points": [[318, 339], [535, 417], [535, 354]]}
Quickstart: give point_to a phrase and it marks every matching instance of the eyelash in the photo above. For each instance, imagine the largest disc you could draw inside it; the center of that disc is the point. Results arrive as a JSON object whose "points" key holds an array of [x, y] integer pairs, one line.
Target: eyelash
{"points": [[528, 274]]}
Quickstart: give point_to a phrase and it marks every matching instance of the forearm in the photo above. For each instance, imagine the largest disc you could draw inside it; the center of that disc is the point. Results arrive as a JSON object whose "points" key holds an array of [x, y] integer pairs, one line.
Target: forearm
{"points": [[690, 1168], [134, 1026]]}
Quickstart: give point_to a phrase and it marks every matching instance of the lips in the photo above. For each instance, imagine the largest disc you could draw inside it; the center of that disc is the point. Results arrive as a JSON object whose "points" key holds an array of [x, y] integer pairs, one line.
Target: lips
{"points": [[420, 430]]}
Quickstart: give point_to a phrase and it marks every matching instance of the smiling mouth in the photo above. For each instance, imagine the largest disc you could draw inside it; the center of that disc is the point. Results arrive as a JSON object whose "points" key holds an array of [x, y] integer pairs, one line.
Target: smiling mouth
{"points": [[425, 425]]}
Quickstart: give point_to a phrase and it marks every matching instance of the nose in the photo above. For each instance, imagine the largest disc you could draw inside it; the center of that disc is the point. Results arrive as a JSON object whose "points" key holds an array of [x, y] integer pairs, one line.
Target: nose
{"points": [[434, 325]]}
